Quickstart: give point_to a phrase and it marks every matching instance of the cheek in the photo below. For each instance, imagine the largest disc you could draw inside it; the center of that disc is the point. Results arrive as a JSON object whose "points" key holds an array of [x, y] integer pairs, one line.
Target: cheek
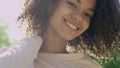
{"points": [[85, 27]]}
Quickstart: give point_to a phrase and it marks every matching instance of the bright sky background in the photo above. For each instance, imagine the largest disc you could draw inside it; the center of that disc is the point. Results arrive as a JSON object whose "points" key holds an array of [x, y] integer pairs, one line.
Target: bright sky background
{"points": [[9, 10]]}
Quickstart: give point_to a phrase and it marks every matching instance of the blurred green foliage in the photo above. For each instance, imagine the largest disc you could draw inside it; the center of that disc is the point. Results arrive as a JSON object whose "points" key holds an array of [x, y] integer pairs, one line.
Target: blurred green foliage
{"points": [[112, 61], [115, 59], [4, 37]]}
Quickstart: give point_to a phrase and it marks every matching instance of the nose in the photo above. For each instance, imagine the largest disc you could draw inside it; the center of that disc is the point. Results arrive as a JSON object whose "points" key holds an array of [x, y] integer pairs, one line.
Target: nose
{"points": [[77, 15]]}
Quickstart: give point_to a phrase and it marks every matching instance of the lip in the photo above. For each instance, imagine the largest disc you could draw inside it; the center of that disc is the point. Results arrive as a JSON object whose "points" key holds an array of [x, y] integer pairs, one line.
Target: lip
{"points": [[70, 27], [73, 22]]}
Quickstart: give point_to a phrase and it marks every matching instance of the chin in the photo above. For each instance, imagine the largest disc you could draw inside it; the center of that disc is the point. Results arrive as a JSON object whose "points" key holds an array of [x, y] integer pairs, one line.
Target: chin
{"points": [[68, 38]]}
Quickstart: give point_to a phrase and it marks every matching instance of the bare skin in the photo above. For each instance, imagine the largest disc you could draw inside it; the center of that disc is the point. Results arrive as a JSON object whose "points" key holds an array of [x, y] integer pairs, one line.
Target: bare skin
{"points": [[53, 44], [71, 19]]}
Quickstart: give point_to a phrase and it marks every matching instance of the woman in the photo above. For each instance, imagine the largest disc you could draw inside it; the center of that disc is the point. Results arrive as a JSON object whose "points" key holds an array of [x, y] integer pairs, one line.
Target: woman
{"points": [[56, 23]]}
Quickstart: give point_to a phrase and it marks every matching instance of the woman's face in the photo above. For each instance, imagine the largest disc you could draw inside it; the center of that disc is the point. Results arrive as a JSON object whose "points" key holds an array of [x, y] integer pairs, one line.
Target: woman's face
{"points": [[72, 18]]}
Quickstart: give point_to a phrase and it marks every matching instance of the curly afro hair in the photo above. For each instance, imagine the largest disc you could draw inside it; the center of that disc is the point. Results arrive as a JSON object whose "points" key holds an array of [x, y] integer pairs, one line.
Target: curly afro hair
{"points": [[101, 36]]}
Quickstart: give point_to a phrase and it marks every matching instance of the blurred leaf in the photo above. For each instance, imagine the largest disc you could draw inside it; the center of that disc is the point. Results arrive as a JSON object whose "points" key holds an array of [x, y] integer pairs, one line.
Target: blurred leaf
{"points": [[4, 37]]}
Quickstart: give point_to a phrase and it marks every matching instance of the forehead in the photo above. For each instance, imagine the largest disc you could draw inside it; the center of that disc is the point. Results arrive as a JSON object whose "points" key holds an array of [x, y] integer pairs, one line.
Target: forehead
{"points": [[90, 3], [80, 1]]}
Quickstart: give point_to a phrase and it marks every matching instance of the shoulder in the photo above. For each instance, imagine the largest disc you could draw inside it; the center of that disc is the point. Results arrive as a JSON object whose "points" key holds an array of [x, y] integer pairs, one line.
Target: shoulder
{"points": [[26, 47], [91, 63], [32, 39], [26, 50]]}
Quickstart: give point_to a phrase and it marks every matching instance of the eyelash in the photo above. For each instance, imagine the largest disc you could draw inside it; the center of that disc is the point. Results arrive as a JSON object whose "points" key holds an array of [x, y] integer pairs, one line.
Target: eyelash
{"points": [[88, 15], [71, 4], [74, 6]]}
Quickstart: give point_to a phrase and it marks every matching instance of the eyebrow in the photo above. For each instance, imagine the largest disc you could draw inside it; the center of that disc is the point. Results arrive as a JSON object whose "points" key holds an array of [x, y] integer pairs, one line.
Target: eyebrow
{"points": [[90, 9], [78, 1]]}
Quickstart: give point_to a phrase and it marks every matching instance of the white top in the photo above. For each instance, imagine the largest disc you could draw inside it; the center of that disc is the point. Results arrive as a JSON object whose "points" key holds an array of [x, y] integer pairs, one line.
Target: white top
{"points": [[21, 55], [25, 55], [47, 60]]}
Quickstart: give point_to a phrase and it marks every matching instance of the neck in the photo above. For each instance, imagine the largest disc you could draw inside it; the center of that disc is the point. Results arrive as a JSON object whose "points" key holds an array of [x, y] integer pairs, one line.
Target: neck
{"points": [[53, 43]]}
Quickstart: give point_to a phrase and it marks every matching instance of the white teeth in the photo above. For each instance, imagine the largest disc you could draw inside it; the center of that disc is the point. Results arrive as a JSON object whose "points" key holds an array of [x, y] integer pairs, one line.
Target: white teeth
{"points": [[71, 25]]}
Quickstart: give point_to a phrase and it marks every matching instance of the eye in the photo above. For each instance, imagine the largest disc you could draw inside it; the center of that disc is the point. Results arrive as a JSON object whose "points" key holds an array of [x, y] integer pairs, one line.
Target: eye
{"points": [[71, 4], [88, 15]]}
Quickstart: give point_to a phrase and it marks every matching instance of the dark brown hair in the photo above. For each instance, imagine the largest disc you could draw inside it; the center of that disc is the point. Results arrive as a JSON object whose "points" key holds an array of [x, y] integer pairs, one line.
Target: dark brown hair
{"points": [[102, 34]]}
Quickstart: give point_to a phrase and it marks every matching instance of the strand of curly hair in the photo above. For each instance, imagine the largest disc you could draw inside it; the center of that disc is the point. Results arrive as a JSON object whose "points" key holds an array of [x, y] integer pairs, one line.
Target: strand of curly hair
{"points": [[101, 36]]}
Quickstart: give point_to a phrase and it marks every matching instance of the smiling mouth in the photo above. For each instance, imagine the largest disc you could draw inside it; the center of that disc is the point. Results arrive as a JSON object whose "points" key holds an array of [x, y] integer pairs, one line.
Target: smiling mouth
{"points": [[70, 25]]}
